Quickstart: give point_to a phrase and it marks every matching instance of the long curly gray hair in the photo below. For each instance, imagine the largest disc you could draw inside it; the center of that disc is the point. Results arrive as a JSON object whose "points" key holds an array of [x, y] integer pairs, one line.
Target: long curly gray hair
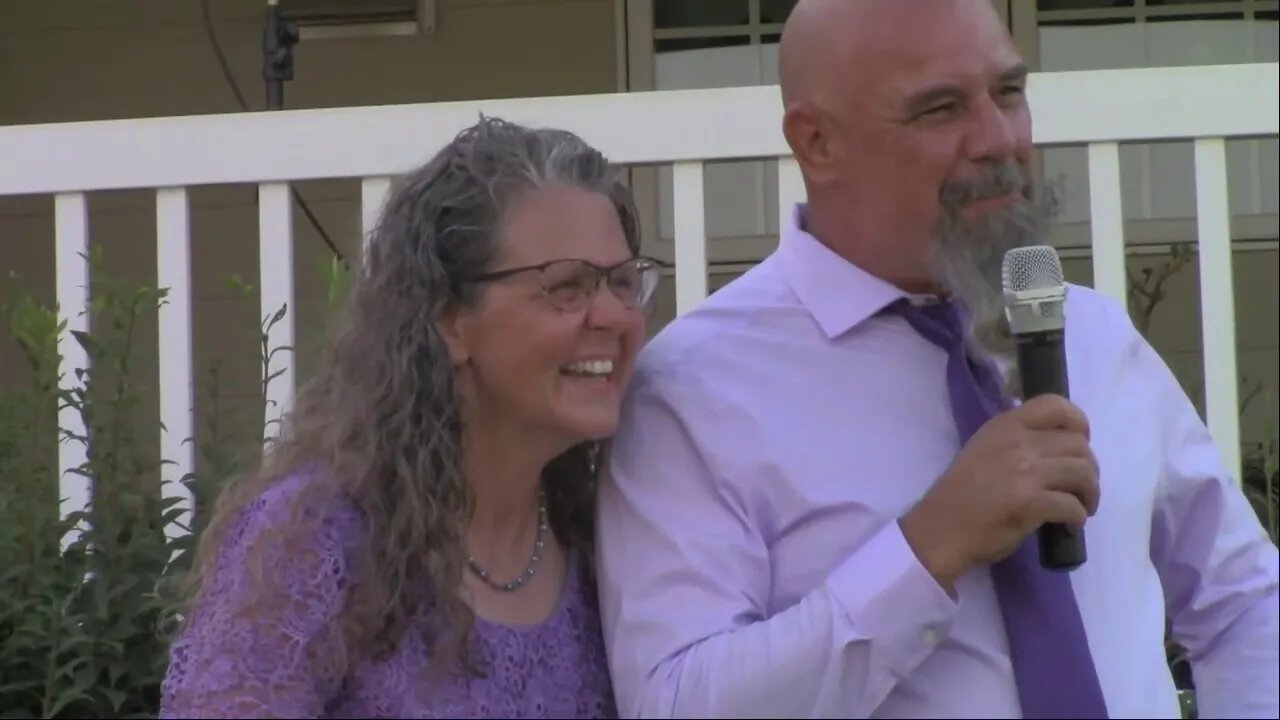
{"points": [[379, 424]]}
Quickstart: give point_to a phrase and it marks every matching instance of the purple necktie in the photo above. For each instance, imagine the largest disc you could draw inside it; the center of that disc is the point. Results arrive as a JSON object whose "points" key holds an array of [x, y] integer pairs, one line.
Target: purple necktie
{"points": [[1047, 645]]}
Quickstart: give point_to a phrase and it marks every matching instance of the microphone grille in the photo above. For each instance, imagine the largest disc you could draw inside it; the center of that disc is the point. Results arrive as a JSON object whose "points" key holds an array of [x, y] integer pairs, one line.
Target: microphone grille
{"points": [[1032, 268]]}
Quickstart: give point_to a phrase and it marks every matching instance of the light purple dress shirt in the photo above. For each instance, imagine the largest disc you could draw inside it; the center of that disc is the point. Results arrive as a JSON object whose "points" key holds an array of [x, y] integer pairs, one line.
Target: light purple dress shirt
{"points": [[750, 559]]}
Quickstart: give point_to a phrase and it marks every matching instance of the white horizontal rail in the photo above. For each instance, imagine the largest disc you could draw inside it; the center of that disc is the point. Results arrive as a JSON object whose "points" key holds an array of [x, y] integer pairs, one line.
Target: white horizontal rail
{"points": [[177, 385], [650, 127], [1217, 300], [1155, 103]]}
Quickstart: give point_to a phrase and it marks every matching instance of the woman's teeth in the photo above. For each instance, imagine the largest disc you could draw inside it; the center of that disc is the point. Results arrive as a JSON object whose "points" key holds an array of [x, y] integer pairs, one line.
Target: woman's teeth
{"points": [[590, 367]]}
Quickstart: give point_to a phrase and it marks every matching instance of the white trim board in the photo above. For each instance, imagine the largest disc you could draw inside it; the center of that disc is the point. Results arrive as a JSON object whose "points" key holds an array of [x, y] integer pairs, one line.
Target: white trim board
{"points": [[632, 128]]}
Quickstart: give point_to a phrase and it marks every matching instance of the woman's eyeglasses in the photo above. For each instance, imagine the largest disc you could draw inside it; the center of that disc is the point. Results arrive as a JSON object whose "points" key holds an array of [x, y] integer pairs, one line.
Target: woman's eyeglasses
{"points": [[570, 285]]}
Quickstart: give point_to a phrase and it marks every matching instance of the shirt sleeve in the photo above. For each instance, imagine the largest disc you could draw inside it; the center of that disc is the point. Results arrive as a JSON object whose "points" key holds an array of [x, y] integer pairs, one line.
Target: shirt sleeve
{"points": [[263, 640], [684, 575], [1216, 563]]}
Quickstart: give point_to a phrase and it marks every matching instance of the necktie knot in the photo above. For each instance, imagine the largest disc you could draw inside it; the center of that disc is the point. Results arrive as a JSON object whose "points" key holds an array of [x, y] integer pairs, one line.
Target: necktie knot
{"points": [[942, 323], [974, 383]]}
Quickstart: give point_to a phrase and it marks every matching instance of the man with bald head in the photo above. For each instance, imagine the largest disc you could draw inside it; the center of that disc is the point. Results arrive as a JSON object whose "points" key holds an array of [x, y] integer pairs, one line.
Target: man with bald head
{"points": [[823, 498]]}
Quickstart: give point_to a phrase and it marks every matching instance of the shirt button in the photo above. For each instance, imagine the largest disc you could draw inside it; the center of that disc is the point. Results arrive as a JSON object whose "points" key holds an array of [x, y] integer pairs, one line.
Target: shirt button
{"points": [[930, 636]]}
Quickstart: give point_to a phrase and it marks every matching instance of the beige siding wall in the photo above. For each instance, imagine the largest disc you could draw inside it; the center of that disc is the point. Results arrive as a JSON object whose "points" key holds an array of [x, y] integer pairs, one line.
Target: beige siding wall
{"points": [[70, 60]]}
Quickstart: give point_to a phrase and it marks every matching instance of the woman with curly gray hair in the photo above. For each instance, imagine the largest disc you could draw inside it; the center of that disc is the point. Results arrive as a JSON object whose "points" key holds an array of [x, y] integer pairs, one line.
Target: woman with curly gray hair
{"points": [[417, 542]]}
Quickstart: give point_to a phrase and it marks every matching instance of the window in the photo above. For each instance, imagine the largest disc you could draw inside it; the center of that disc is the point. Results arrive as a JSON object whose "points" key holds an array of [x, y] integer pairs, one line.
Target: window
{"points": [[696, 44], [1158, 179], [691, 25], [1054, 13]]}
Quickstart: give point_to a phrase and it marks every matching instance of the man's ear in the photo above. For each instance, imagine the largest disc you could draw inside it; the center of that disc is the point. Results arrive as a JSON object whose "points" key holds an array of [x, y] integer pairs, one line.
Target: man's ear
{"points": [[810, 136], [452, 326]]}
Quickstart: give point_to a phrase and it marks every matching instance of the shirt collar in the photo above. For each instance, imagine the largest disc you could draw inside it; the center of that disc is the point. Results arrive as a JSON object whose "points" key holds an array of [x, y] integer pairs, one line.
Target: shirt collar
{"points": [[838, 294]]}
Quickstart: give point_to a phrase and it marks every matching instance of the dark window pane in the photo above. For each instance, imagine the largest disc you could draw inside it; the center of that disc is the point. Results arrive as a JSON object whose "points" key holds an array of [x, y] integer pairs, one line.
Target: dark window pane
{"points": [[1090, 21], [1081, 4], [1201, 16], [770, 39], [672, 44], [775, 11], [700, 13], [1173, 6], [335, 11], [1271, 15]]}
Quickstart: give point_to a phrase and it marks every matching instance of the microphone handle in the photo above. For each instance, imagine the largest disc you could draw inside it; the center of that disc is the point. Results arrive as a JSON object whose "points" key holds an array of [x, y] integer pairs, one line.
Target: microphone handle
{"points": [[1042, 365]]}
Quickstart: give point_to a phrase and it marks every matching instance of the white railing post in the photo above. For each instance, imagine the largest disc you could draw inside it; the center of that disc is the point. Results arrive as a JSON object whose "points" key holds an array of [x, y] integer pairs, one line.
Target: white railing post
{"points": [[1217, 301], [177, 386], [373, 196], [275, 290], [790, 189], [689, 215], [1106, 214], [71, 258]]}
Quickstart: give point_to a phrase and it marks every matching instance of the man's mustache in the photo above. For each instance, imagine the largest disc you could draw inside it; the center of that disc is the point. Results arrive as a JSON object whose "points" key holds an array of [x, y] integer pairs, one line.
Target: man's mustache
{"points": [[992, 181]]}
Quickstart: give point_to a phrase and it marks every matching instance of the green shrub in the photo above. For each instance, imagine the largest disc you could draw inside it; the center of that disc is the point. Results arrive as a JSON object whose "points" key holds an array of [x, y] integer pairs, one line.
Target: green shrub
{"points": [[77, 624], [84, 616]]}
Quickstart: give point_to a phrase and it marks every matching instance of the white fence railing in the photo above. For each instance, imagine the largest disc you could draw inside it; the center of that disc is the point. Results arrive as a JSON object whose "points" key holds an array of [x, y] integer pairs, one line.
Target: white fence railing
{"points": [[686, 129]]}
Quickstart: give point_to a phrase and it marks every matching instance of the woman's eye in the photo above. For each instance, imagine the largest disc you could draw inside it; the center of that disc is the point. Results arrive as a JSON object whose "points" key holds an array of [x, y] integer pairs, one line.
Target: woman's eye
{"points": [[625, 282], [565, 287]]}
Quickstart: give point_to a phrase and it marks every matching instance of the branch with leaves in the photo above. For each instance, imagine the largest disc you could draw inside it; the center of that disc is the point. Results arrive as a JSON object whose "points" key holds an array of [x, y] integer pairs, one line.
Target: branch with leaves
{"points": [[1146, 287]]}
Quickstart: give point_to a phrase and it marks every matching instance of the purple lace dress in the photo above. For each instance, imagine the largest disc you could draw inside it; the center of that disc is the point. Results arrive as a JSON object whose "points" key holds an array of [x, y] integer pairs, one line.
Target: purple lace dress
{"points": [[241, 657]]}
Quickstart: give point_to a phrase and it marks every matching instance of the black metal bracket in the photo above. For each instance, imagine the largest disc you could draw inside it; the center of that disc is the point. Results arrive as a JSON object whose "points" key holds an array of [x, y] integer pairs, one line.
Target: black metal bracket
{"points": [[278, 39]]}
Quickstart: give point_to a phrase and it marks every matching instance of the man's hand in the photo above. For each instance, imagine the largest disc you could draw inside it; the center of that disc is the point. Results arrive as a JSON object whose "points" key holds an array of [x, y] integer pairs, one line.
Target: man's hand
{"points": [[1025, 467]]}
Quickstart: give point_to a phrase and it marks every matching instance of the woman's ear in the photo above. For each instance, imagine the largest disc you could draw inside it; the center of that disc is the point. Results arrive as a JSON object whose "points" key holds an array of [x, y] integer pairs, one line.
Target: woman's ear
{"points": [[452, 326]]}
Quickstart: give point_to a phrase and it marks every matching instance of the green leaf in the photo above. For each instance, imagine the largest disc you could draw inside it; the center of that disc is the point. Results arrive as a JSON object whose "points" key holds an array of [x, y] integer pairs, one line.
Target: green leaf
{"points": [[92, 347], [237, 284], [116, 697], [69, 668], [117, 669], [67, 697], [21, 686]]}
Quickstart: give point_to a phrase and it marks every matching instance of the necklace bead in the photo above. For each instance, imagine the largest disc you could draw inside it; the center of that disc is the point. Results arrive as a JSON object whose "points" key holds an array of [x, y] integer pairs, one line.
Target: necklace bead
{"points": [[530, 568]]}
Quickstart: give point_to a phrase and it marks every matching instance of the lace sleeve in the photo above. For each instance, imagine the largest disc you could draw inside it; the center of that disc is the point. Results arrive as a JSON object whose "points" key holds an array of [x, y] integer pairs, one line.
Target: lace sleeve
{"points": [[268, 646]]}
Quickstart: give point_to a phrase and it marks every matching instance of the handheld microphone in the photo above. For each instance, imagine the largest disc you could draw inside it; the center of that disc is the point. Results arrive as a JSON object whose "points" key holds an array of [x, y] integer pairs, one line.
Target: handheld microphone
{"points": [[1035, 299]]}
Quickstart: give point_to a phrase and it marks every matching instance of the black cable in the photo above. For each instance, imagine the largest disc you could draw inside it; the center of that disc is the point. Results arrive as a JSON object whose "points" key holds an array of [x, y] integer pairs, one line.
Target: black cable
{"points": [[222, 59], [244, 105]]}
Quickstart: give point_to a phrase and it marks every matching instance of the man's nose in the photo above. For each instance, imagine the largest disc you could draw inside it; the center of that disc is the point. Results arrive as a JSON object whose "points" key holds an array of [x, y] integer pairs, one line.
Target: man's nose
{"points": [[992, 136]]}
